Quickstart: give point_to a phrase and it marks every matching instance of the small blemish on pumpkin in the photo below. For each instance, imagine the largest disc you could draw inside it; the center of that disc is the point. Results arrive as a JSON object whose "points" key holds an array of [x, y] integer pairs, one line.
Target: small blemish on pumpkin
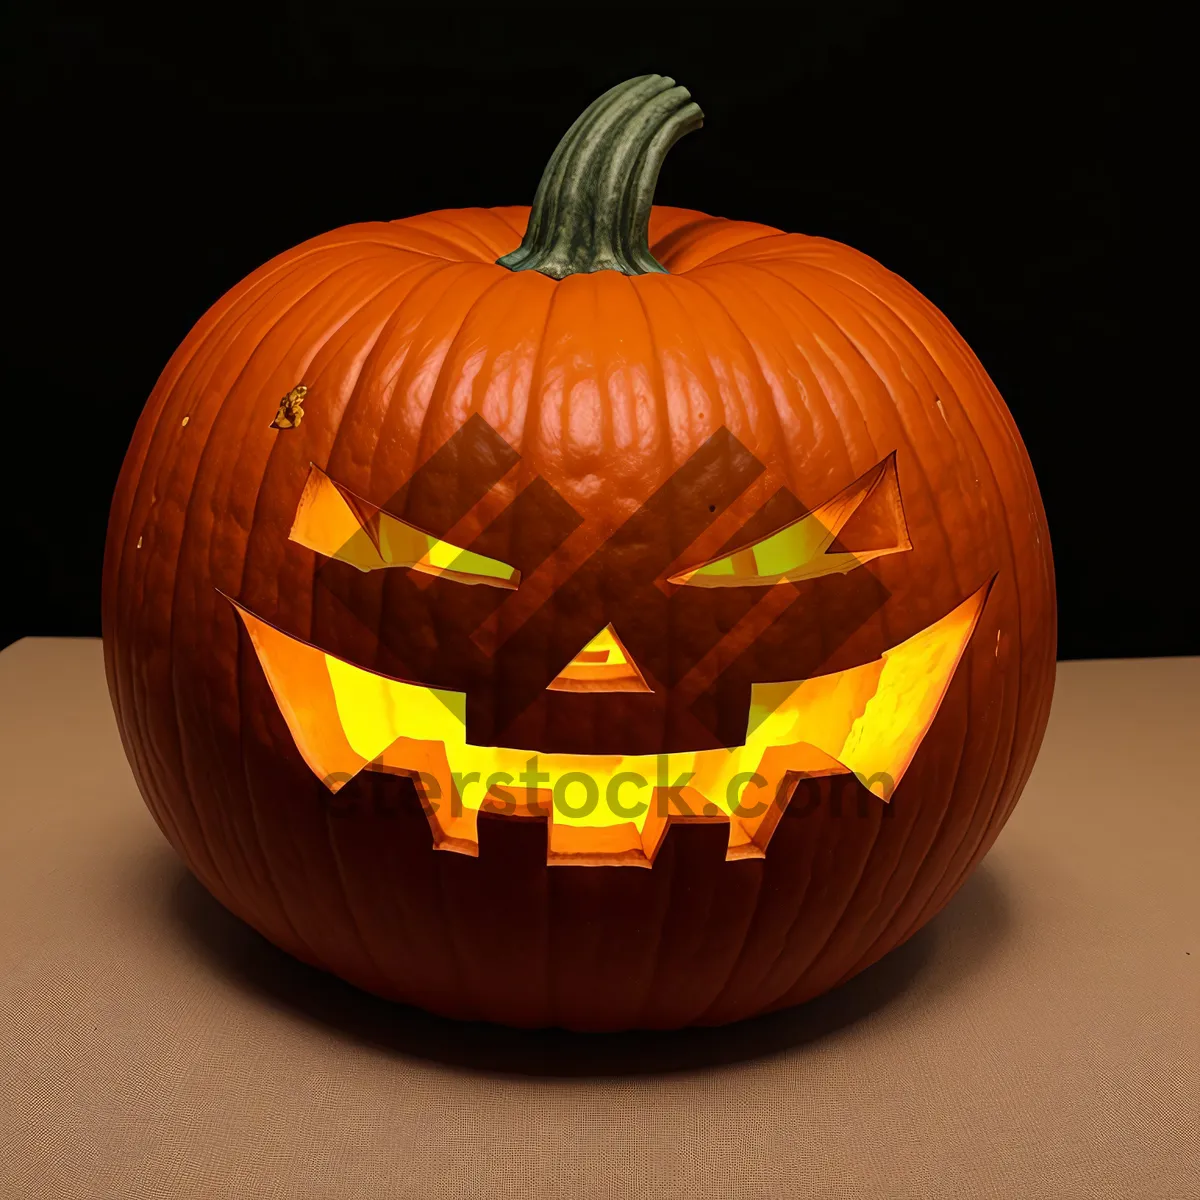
{"points": [[712, 508], [943, 412], [139, 545], [291, 410], [186, 420]]}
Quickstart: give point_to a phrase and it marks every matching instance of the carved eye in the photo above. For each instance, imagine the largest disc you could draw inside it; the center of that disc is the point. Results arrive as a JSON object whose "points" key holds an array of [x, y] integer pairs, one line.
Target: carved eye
{"points": [[862, 522], [338, 524]]}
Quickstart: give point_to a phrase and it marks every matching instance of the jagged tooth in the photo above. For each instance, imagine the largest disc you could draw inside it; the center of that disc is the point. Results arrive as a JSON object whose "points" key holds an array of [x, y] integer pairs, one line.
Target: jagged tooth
{"points": [[689, 807], [453, 826], [591, 846], [740, 850], [610, 846], [781, 767], [521, 803], [338, 779], [466, 845], [694, 805]]}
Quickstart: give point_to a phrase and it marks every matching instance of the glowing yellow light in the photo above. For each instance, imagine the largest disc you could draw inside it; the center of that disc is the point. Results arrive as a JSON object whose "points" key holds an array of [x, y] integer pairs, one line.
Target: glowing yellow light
{"points": [[337, 524], [805, 549], [603, 665], [375, 710], [868, 720]]}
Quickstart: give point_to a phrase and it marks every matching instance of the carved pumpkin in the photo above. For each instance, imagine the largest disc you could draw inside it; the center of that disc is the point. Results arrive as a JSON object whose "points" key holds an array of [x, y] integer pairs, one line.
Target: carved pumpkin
{"points": [[626, 618]]}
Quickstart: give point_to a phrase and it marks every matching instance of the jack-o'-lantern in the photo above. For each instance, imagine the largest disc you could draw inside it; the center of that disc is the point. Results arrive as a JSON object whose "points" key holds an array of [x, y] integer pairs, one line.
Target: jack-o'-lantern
{"points": [[596, 615]]}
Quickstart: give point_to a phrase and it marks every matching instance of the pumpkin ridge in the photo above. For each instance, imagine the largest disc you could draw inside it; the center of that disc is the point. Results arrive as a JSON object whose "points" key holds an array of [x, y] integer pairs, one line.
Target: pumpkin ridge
{"points": [[979, 453], [505, 229], [202, 833], [768, 265], [421, 274], [717, 256], [850, 464], [916, 459], [255, 820], [199, 471], [752, 355], [458, 232]]}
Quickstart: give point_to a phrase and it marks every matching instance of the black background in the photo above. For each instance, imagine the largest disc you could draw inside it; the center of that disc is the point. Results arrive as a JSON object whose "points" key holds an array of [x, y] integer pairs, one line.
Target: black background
{"points": [[155, 160]]}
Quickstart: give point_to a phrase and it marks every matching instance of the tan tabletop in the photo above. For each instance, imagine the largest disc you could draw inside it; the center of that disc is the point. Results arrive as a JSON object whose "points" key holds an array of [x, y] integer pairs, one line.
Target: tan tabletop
{"points": [[1039, 1039]]}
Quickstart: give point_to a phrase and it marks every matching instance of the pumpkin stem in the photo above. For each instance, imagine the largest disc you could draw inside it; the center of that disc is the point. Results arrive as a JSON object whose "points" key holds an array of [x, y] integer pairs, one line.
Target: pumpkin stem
{"points": [[592, 208]]}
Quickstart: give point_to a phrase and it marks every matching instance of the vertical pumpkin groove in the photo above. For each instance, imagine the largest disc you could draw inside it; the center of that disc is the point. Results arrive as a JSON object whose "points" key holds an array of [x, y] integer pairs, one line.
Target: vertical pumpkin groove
{"points": [[936, 884], [273, 885], [935, 902], [199, 471], [205, 334], [220, 484]]}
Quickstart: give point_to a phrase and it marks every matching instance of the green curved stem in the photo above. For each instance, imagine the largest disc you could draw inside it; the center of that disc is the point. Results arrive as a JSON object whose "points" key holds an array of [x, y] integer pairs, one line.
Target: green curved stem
{"points": [[592, 208]]}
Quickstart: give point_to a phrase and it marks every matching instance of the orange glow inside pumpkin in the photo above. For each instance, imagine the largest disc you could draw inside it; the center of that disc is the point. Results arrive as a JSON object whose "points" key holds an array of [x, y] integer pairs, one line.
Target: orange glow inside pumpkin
{"points": [[819, 543], [338, 524], [603, 665], [866, 720]]}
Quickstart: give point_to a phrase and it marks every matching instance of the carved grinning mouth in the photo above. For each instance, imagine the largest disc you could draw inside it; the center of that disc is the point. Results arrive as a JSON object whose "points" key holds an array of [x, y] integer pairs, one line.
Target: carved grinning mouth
{"points": [[866, 720]]}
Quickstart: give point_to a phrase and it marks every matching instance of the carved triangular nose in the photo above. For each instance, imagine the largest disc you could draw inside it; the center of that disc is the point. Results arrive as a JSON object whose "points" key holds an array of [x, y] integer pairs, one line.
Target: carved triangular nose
{"points": [[603, 665]]}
